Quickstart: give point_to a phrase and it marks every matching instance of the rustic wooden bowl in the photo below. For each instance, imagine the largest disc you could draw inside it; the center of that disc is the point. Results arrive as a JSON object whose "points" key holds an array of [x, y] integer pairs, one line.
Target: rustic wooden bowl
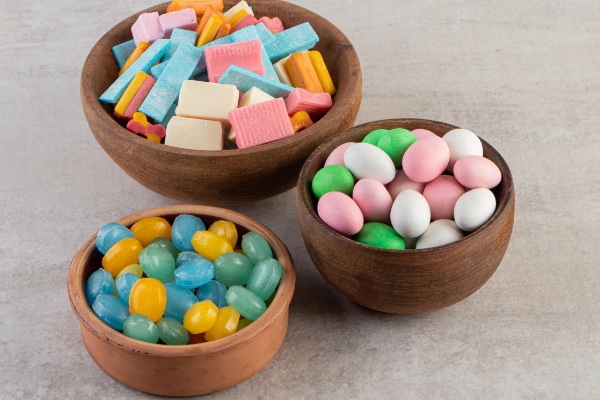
{"points": [[230, 176], [192, 369], [407, 281]]}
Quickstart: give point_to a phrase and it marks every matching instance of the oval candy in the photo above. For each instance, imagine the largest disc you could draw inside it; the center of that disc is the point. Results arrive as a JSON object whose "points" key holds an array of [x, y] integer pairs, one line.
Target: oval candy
{"points": [[373, 199], [422, 133], [264, 278], [462, 143], [476, 172], [184, 228], [365, 160], [442, 194], [148, 297], [333, 178], [474, 209], [439, 233], [179, 300], [140, 327], [341, 213], [110, 234], [380, 235], [426, 159], [337, 156], [410, 214], [401, 183]]}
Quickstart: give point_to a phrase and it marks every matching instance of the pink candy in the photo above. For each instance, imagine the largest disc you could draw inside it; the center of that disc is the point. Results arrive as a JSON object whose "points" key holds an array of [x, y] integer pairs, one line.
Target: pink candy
{"points": [[139, 97], [401, 183], [337, 156], [183, 19], [274, 25], [341, 213], [373, 199], [147, 29], [315, 104], [421, 133], [244, 23], [476, 172], [426, 159], [442, 194], [247, 55]]}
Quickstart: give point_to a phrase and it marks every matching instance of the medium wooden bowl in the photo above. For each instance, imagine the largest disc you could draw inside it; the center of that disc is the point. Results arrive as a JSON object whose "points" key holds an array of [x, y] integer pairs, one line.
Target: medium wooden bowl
{"points": [[192, 369], [407, 281], [230, 176]]}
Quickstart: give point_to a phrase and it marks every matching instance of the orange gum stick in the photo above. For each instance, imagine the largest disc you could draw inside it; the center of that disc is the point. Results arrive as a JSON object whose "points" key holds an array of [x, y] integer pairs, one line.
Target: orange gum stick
{"points": [[223, 30], [139, 50], [302, 73], [210, 31], [206, 17], [321, 71], [300, 121], [199, 7]]}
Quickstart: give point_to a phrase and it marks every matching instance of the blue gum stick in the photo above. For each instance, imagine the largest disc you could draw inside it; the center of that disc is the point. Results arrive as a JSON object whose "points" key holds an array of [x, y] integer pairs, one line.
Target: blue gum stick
{"points": [[245, 80], [123, 51], [264, 33], [177, 37], [291, 41], [250, 33]]}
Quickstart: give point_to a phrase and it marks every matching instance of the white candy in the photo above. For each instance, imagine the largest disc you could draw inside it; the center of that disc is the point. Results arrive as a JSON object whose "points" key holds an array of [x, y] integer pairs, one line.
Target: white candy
{"points": [[242, 5], [194, 134], [367, 161], [205, 100], [410, 214], [474, 208], [439, 233], [461, 143]]}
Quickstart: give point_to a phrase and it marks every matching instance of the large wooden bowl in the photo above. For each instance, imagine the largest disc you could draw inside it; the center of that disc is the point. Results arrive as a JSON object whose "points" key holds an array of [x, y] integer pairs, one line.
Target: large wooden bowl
{"points": [[230, 176], [191, 369], [407, 281]]}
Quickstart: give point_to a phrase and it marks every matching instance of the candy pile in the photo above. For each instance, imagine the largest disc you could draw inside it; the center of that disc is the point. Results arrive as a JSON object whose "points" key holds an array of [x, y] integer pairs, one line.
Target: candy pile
{"points": [[182, 283], [413, 190], [196, 71]]}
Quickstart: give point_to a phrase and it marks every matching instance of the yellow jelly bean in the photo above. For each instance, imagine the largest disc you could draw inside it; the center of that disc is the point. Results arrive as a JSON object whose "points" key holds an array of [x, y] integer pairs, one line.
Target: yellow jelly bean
{"points": [[226, 324], [322, 73], [148, 229], [135, 269], [210, 245], [225, 229], [148, 297], [122, 254], [130, 93], [200, 317]]}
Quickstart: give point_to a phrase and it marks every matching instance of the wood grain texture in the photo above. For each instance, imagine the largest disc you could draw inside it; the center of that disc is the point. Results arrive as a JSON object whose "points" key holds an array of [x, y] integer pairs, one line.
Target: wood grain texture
{"points": [[223, 177], [192, 369], [407, 281]]}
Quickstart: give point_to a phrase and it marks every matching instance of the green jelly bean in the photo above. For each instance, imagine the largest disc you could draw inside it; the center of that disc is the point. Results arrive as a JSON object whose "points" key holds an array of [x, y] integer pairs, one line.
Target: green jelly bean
{"points": [[270, 299], [172, 332], [245, 302], [233, 269], [373, 137], [395, 143], [140, 327], [165, 244], [243, 323], [333, 178], [157, 262], [380, 235], [264, 278], [255, 247]]}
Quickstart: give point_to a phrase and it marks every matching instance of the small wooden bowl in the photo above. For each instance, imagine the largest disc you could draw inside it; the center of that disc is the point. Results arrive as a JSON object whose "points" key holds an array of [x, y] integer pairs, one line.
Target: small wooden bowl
{"points": [[407, 281], [230, 176], [192, 369]]}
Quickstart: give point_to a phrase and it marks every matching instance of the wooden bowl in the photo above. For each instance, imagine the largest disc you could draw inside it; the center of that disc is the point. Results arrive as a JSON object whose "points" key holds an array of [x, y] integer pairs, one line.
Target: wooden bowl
{"points": [[230, 176], [192, 369], [406, 281]]}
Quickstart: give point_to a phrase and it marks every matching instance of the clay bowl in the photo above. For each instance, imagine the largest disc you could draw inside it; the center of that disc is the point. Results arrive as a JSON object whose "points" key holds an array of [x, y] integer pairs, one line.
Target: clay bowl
{"points": [[192, 369], [229, 176], [407, 281]]}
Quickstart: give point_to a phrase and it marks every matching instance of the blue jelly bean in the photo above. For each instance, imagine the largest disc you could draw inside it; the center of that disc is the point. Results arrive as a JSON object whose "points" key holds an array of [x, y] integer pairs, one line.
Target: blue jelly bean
{"points": [[111, 310], [110, 234], [179, 300], [213, 291], [100, 282], [184, 228], [194, 273], [124, 284], [186, 256]]}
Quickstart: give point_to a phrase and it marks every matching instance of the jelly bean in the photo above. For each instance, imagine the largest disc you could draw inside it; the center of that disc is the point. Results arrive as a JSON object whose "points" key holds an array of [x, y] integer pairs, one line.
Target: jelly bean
{"points": [[401, 183], [462, 143], [373, 199], [121, 255], [184, 228], [395, 143], [373, 137], [245, 302], [333, 178], [148, 229], [410, 214], [243, 323], [172, 332], [256, 247], [100, 282], [148, 297], [213, 291], [475, 172], [132, 269], [200, 317], [337, 156], [264, 278], [233, 269], [380, 235], [194, 273], [270, 299], [110, 234], [112, 311], [441, 194], [179, 300], [225, 325], [140, 327], [157, 262], [439, 233], [225, 229], [198, 338], [367, 161], [341, 213], [210, 245], [426, 159], [124, 283], [474, 208], [186, 256], [165, 244]]}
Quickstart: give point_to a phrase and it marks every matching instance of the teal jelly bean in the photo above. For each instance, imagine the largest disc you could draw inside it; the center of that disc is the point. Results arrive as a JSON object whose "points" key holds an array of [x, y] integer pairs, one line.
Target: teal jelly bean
{"points": [[333, 178], [213, 291], [124, 283], [264, 278], [233, 269], [395, 143], [111, 310], [184, 228], [255, 247], [245, 302], [373, 137], [110, 234], [380, 235], [165, 244], [194, 273], [157, 262], [172, 332], [100, 282], [140, 327], [179, 300], [186, 256]]}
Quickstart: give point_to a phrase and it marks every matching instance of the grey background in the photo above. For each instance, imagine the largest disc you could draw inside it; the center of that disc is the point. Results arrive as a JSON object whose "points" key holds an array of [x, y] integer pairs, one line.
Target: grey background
{"points": [[522, 75]]}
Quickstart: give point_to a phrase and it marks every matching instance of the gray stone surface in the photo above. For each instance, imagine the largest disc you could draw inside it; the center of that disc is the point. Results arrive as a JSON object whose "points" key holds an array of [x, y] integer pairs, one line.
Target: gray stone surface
{"points": [[523, 75]]}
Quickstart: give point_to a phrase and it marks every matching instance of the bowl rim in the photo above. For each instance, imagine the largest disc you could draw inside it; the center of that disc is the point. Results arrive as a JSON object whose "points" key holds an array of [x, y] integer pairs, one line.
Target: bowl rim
{"points": [[279, 306], [342, 101], [501, 209]]}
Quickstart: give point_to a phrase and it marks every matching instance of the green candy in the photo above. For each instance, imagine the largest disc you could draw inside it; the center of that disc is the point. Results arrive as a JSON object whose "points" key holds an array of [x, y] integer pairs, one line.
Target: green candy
{"points": [[140, 327], [233, 269], [165, 244], [264, 278], [172, 332], [380, 235], [243, 323], [333, 178], [245, 302], [395, 143], [157, 262], [256, 248], [373, 137]]}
